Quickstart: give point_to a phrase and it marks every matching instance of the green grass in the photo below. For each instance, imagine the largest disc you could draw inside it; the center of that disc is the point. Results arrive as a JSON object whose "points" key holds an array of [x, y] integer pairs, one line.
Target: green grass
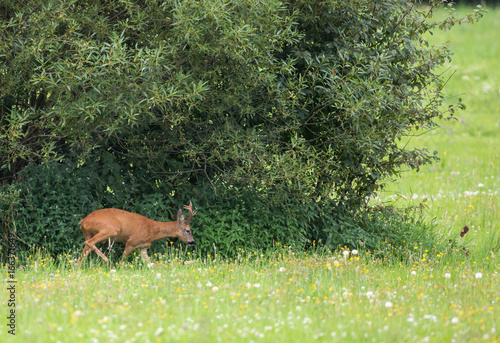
{"points": [[463, 188], [285, 295]]}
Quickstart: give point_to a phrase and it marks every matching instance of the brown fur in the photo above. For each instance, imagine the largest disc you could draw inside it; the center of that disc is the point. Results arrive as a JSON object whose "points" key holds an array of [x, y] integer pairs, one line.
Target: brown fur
{"points": [[134, 230]]}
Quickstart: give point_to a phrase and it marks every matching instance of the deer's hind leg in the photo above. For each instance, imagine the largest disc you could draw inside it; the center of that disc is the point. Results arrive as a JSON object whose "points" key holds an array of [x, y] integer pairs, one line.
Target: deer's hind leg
{"points": [[85, 253], [86, 248], [99, 237]]}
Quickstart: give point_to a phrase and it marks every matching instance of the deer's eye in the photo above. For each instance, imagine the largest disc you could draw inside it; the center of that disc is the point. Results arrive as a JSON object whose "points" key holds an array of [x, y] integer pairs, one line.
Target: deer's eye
{"points": [[187, 231]]}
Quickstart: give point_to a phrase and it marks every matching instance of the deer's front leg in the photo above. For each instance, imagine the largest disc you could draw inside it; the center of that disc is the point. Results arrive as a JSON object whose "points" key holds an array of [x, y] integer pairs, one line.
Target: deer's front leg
{"points": [[144, 254]]}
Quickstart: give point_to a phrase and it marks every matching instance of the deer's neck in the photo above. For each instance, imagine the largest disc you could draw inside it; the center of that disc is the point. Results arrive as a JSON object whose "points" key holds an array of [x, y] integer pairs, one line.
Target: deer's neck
{"points": [[164, 229]]}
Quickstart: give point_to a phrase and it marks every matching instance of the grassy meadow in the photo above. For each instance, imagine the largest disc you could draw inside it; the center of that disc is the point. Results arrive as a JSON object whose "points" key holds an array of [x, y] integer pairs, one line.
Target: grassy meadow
{"points": [[450, 294], [463, 188]]}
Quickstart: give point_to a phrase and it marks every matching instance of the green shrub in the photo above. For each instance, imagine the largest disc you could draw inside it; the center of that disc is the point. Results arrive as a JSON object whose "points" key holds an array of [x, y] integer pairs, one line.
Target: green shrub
{"points": [[307, 98], [293, 112], [44, 209], [48, 201], [51, 200]]}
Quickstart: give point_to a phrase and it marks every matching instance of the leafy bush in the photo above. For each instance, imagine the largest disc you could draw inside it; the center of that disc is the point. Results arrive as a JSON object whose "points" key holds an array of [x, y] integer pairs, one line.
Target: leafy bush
{"points": [[305, 99], [48, 201], [51, 200], [293, 111], [44, 209]]}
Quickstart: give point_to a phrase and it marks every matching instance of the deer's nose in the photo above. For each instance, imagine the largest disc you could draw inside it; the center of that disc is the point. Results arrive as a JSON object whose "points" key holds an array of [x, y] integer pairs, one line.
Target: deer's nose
{"points": [[191, 243]]}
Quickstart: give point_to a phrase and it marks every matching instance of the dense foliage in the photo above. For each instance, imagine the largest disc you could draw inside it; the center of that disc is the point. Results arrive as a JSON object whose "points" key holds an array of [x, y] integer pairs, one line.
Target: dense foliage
{"points": [[296, 105], [50, 200]]}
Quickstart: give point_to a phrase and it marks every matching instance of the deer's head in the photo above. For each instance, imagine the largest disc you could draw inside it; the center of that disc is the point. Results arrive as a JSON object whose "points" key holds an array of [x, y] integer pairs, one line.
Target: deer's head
{"points": [[184, 226]]}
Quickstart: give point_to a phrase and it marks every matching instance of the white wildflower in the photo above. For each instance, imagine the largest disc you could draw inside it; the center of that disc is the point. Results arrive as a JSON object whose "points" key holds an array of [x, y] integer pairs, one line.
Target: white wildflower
{"points": [[430, 316], [306, 321]]}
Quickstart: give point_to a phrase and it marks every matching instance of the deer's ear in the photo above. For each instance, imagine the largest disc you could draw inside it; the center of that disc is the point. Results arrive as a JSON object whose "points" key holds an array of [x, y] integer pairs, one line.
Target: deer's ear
{"points": [[180, 216]]}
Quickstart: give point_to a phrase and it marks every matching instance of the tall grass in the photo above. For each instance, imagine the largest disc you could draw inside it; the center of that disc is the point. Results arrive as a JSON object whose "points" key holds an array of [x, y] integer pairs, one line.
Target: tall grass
{"points": [[449, 294]]}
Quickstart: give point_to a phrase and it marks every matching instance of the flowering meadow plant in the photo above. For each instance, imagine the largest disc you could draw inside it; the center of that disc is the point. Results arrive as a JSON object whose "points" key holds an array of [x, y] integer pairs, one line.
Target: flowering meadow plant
{"points": [[279, 296]]}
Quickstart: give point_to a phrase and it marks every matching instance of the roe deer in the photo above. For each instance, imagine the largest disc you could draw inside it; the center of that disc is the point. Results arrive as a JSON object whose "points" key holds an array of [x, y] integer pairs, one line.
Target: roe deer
{"points": [[134, 230]]}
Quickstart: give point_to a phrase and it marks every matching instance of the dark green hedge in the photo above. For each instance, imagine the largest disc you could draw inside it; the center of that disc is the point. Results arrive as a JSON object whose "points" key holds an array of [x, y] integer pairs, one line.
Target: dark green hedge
{"points": [[44, 207]]}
